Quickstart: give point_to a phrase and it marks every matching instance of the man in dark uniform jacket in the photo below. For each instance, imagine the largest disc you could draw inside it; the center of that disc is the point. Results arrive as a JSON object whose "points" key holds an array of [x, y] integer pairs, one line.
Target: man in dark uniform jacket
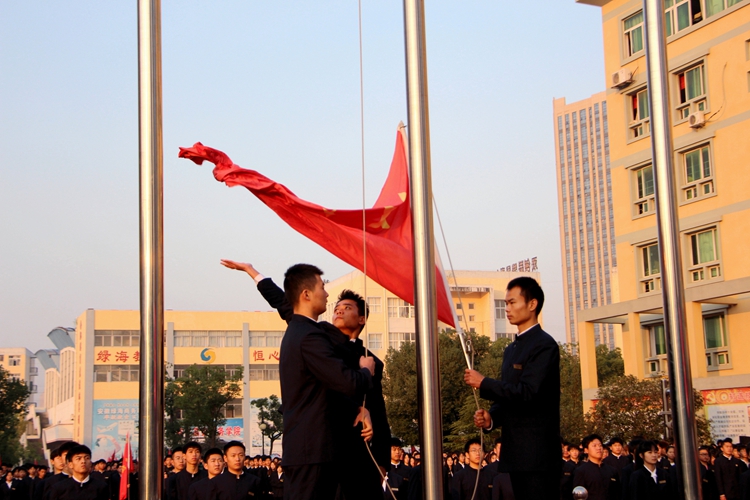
{"points": [[708, 481], [62, 472], [526, 399], [189, 475], [649, 482], [277, 482], [213, 462], [501, 485], [569, 468], [80, 485], [727, 470], [314, 385], [357, 476], [398, 469], [462, 486], [616, 457], [600, 480], [235, 483], [13, 488], [178, 464]]}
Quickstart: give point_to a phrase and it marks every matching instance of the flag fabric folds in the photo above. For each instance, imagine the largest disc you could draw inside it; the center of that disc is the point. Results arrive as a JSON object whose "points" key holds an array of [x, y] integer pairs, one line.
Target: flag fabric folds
{"points": [[389, 242], [127, 468]]}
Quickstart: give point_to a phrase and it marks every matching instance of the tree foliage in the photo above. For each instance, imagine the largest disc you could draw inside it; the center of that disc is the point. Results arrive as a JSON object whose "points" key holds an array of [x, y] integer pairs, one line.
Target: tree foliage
{"points": [[609, 364], [269, 413], [199, 396], [630, 407], [572, 425], [13, 396]]}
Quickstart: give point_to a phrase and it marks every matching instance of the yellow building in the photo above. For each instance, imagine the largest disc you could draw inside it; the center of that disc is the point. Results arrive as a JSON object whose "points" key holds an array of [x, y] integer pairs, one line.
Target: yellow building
{"points": [[21, 365], [708, 50], [479, 298], [107, 369]]}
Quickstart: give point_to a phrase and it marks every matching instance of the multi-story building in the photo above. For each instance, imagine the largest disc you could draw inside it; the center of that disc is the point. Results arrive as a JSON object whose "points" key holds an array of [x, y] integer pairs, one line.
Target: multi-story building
{"points": [[478, 296], [21, 365], [708, 51], [584, 193]]}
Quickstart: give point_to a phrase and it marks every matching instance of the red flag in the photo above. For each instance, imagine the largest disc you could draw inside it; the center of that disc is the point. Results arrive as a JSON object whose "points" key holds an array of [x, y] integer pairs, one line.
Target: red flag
{"points": [[390, 261], [127, 468]]}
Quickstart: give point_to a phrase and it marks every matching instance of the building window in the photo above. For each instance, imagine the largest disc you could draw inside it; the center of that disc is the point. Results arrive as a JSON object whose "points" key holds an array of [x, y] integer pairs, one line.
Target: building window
{"points": [[375, 304], [471, 305], [499, 309], [644, 190], [651, 278], [717, 346], [704, 255], [713, 7], [633, 34], [264, 372], [396, 339], [117, 338], [14, 360], [116, 373], [398, 308], [266, 339], [375, 340], [460, 317], [691, 87], [472, 318], [656, 363], [233, 409], [698, 176], [640, 123], [681, 14], [459, 305]]}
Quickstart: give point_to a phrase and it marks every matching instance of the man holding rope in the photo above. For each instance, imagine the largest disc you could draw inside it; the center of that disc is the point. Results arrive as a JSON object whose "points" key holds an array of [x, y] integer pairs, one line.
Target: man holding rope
{"points": [[526, 399]]}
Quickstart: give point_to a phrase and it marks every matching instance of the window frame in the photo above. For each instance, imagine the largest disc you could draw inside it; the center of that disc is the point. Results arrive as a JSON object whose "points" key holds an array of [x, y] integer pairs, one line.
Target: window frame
{"points": [[375, 304], [639, 126], [642, 205], [627, 37], [700, 188], [648, 283], [701, 272], [374, 340], [656, 364], [714, 354], [700, 102]]}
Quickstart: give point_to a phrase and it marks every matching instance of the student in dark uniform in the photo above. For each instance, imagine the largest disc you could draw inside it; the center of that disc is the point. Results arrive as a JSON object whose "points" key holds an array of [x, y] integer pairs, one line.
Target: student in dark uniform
{"points": [[727, 470], [277, 481], [600, 480], [178, 464], [501, 485], [13, 489], [569, 468], [213, 462], [649, 482], [396, 484], [62, 471], [526, 399], [708, 481], [235, 483], [322, 395], [462, 487], [80, 485], [190, 474], [398, 468], [616, 457]]}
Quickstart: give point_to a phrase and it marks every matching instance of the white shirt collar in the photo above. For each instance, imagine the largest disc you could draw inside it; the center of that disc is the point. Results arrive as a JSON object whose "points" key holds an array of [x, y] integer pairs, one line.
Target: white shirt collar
{"points": [[81, 482], [529, 328], [653, 474]]}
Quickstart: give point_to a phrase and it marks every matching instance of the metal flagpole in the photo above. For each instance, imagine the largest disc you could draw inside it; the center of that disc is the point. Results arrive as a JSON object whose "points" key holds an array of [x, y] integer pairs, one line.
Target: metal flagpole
{"points": [[428, 378], [675, 326], [151, 408]]}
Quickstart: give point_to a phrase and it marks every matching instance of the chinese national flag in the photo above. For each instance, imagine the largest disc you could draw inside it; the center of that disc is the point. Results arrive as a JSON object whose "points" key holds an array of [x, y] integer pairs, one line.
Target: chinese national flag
{"points": [[127, 468], [390, 261]]}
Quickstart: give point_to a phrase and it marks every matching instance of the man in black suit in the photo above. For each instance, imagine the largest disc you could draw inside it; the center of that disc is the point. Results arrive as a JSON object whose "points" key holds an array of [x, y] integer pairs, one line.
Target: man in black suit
{"points": [[462, 486], [315, 384], [526, 398], [600, 480], [235, 483], [727, 470], [357, 474], [616, 457], [79, 485], [190, 475], [708, 481], [213, 462]]}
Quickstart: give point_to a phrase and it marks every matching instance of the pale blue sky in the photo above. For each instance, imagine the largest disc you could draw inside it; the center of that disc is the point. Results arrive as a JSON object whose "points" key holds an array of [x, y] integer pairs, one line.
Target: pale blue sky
{"points": [[275, 85]]}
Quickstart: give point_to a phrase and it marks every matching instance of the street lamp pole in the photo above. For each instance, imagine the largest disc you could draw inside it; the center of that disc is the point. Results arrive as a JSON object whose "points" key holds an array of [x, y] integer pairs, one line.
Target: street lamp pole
{"points": [[263, 426]]}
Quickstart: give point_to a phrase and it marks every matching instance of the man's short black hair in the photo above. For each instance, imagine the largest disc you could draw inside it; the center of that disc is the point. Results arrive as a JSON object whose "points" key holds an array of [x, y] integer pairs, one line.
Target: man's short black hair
{"points": [[300, 277], [362, 308], [178, 449], [191, 445], [726, 440], [614, 440], [65, 447], [471, 442], [211, 452], [55, 453], [396, 443], [100, 461], [530, 290], [585, 442], [40, 467], [79, 449], [232, 444]]}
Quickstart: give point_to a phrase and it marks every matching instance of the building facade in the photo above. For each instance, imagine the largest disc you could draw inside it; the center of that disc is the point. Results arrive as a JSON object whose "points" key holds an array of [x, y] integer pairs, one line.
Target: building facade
{"points": [[708, 50], [21, 365], [587, 229]]}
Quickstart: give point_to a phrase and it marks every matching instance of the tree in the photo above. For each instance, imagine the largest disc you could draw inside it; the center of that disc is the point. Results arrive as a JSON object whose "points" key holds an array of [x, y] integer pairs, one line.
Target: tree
{"points": [[174, 426], [269, 413], [13, 396], [609, 364], [630, 407], [201, 395], [572, 424]]}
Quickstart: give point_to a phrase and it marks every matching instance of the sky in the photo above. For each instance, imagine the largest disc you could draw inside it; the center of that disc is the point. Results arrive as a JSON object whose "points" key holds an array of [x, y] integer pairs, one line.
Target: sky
{"points": [[276, 85]]}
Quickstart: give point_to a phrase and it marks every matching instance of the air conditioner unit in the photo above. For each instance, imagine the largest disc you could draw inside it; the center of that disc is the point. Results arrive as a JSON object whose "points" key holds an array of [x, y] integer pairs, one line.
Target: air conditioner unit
{"points": [[697, 119], [622, 78]]}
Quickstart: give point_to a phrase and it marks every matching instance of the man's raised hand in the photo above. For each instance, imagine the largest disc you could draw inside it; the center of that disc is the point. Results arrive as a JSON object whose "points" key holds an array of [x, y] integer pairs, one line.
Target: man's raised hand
{"points": [[240, 266]]}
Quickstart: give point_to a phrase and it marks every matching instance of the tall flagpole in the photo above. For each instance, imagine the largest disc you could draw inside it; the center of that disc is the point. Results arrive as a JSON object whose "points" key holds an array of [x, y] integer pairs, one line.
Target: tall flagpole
{"points": [[425, 291], [675, 325], [151, 408]]}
